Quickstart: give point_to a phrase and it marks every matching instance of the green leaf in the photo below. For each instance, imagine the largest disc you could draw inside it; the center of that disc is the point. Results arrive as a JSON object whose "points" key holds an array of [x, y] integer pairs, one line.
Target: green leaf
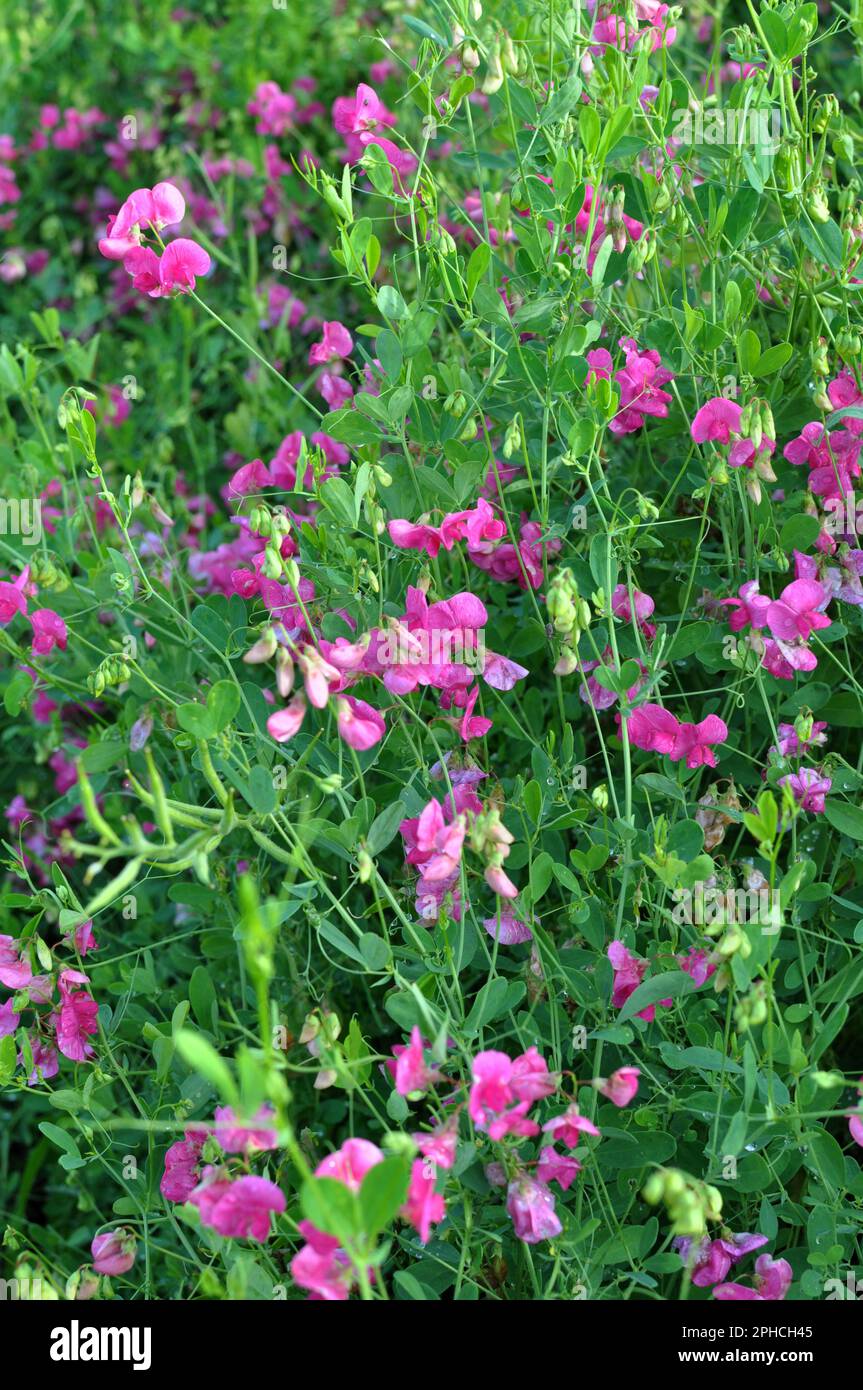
{"points": [[202, 996], [223, 701], [773, 360], [332, 1208], [848, 820], [541, 873], [477, 266], [383, 1192], [490, 1001], [196, 720], [384, 827], [670, 985]]}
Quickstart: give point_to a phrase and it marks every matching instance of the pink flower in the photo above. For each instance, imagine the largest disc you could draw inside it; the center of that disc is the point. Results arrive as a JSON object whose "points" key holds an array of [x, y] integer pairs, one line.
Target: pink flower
{"points": [[350, 1163], [240, 1208], [693, 741], [809, 787], [530, 1204], [12, 596], [555, 1167], [855, 1125], [621, 1087], [499, 882], [530, 1077], [772, 1280], [322, 1268], [238, 1138], [710, 1260], [9, 1020], [424, 1206], [182, 1167], [182, 260], [114, 1251], [336, 342], [796, 613], [569, 1127], [75, 1021], [644, 606], [491, 1091], [652, 728], [439, 1147], [510, 930], [49, 631], [359, 724], [750, 609], [698, 965], [15, 971], [629, 971], [288, 721], [413, 1075], [717, 420], [162, 206]]}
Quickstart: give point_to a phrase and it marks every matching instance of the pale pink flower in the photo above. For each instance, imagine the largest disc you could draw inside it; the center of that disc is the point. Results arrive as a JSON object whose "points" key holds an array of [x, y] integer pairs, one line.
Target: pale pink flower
{"points": [[359, 723], [114, 1251], [285, 723], [555, 1167], [423, 1207], [530, 1204], [621, 1087]]}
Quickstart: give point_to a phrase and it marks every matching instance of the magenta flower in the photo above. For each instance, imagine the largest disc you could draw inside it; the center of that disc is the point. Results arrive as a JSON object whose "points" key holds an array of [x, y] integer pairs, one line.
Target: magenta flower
{"points": [[423, 1207], [350, 1163], [717, 421], [75, 1021], [336, 342], [710, 1260], [855, 1125], [440, 1146], [182, 260], [652, 728], [555, 1167], [13, 596], [530, 1204], [15, 971], [286, 722], [568, 1127], [772, 1280], [809, 787], [750, 608], [49, 631], [9, 1020], [114, 1251], [159, 207], [510, 930], [413, 1075], [621, 1087], [629, 971], [241, 1208], [797, 612], [235, 1137], [182, 1167]]}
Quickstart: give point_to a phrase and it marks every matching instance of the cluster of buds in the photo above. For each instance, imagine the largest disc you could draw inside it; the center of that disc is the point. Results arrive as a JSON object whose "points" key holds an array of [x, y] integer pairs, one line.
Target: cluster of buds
{"points": [[569, 612], [456, 404], [490, 839], [504, 58], [751, 1011], [690, 1203], [642, 251], [45, 572], [272, 525], [112, 671], [821, 371], [849, 345]]}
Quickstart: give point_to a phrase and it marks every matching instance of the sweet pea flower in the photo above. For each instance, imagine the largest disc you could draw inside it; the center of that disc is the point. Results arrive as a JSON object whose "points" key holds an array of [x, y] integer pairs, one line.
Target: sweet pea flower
{"points": [[182, 1167], [569, 1127], [621, 607], [413, 1075], [336, 343], [710, 1260], [114, 1251], [350, 1163], [424, 1207], [440, 1146], [530, 1204], [750, 608], [49, 631], [652, 728], [809, 787], [75, 1021], [236, 1137], [555, 1167], [283, 725], [240, 1208], [509, 930], [358, 723], [772, 1280], [797, 612], [159, 207], [629, 971], [621, 1087], [181, 262], [716, 421], [15, 971], [13, 596], [855, 1126]]}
